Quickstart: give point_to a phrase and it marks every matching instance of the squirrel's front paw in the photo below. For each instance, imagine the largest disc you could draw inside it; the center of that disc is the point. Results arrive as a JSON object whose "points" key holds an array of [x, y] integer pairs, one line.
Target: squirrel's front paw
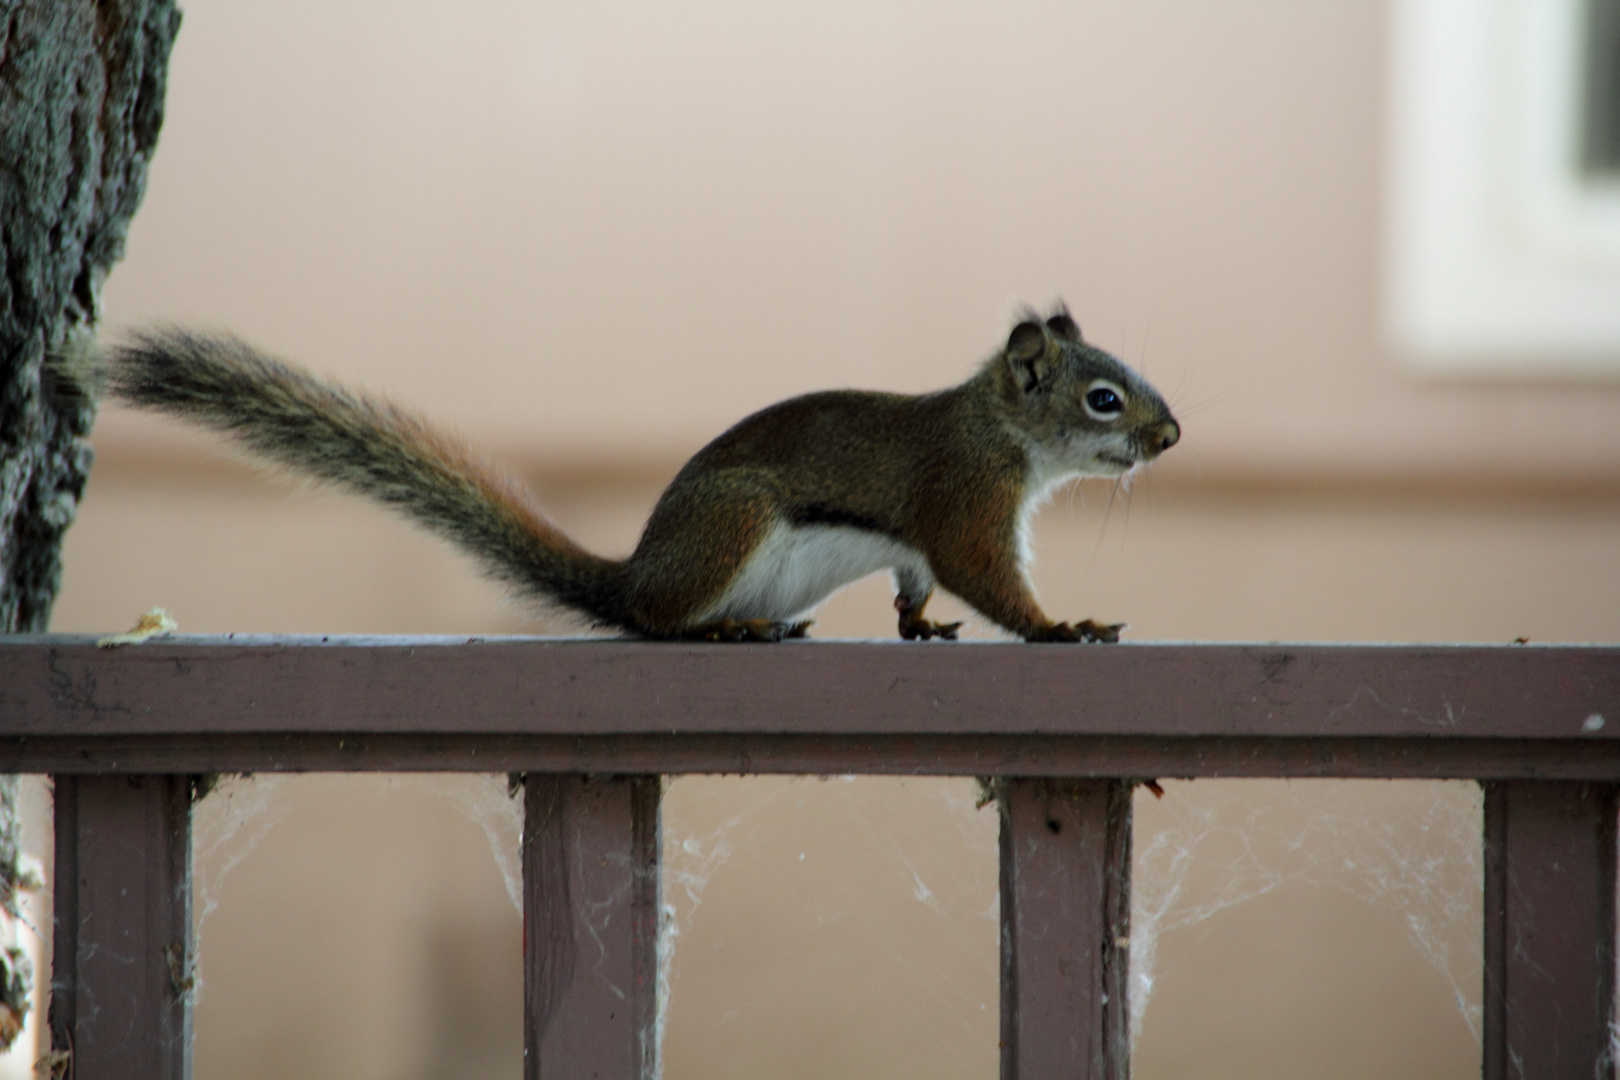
{"points": [[1086, 630], [1096, 631]]}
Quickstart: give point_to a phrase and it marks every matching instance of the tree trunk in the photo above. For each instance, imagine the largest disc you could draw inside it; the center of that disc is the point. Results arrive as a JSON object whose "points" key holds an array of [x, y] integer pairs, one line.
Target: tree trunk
{"points": [[81, 101]]}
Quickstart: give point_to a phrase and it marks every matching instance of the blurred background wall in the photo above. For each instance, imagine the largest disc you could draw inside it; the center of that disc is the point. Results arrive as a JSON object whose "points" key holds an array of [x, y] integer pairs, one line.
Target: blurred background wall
{"points": [[593, 235]]}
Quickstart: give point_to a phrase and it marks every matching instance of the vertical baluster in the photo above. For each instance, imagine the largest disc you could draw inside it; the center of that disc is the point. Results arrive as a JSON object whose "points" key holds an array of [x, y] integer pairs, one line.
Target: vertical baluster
{"points": [[590, 917], [120, 989], [1549, 929], [1065, 928]]}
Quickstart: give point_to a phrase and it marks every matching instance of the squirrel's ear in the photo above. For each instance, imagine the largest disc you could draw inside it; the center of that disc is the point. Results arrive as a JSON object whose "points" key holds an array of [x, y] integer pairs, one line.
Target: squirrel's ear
{"points": [[1062, 325], [1026, 355]]}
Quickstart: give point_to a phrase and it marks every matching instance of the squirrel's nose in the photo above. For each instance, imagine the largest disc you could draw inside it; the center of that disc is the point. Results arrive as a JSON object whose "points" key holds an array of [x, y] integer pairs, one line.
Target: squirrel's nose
{"points": [[1165, 436]]}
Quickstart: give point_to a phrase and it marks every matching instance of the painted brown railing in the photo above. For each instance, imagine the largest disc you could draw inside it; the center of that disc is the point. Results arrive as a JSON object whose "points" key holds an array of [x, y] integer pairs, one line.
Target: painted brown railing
{"points": [[129, 733]]}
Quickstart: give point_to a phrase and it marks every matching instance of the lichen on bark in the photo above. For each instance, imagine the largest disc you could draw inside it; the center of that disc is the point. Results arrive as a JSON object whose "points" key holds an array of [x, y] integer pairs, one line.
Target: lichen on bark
{"points": [[81, 101]]}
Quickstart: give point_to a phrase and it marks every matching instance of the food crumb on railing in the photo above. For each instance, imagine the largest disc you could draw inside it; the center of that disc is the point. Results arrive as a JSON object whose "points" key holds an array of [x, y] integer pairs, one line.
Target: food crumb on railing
{"points": [[155, 623]]}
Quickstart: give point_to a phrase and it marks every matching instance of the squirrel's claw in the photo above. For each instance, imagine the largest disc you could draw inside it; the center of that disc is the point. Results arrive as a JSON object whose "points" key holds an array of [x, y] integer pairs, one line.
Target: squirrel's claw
{"points": [[1096, 631], [924, 629], [1087, 630], [755, 630], [913, 626]]}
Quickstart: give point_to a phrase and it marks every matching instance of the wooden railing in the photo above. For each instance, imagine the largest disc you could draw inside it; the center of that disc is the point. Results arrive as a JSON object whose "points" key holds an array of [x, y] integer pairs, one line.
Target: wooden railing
{"points": [[130, 735]]}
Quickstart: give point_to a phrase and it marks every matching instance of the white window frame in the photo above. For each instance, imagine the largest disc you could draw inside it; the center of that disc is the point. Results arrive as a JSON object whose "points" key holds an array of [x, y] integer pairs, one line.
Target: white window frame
{"points": [[1501, 257]]}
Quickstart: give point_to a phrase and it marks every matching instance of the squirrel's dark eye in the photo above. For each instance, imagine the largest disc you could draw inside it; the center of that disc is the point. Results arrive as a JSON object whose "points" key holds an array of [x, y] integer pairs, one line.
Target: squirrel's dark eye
{"points": [[1103, 400]]}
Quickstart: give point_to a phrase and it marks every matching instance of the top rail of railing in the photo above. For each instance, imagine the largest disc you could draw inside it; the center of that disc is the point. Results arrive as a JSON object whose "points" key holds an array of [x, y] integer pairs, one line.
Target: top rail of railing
{"points": [[260, 703]]}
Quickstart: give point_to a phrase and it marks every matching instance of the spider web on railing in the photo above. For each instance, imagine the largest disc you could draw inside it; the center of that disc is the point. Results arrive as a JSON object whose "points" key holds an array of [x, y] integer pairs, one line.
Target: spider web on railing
{"points": [[848, 926]]}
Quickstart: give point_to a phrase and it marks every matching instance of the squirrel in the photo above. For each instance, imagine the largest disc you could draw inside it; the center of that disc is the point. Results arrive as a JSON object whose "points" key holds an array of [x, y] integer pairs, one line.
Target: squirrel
{"points": [[762, 524]]}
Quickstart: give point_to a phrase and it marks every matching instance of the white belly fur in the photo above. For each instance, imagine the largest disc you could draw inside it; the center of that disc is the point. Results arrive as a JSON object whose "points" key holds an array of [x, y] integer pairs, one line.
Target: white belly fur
{"points": [[799, 566]]}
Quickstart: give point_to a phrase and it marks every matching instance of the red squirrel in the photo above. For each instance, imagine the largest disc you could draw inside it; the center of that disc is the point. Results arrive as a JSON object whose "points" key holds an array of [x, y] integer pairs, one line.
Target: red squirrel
{"points": [[764, 523]]}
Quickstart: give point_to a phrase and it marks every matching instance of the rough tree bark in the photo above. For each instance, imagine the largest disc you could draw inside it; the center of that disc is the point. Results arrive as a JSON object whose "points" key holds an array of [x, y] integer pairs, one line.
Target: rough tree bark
{"points": [[81, 101]]}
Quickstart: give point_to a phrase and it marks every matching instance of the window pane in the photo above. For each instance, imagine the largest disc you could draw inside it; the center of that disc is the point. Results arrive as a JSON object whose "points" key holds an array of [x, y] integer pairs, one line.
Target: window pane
{"points": [[1600, 107]]}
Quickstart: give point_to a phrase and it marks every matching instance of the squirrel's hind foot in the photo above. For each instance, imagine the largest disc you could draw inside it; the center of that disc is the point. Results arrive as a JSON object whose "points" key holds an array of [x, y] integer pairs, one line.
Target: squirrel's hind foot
{"points": [[755, 630], [1086, 630], [924, 629], [913, 626]]}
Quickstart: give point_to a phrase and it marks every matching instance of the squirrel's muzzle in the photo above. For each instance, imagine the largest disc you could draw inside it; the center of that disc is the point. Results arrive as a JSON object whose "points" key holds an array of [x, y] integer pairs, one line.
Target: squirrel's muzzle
{"points": [[1163, 437]]}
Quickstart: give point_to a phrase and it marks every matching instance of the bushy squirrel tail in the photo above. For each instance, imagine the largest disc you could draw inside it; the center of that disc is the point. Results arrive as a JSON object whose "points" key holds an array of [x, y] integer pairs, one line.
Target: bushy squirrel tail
{"points": [[370, 446]]}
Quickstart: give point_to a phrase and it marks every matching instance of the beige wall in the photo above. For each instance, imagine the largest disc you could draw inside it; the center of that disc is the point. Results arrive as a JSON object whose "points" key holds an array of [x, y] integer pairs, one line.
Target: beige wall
{"points": [[593, 235], [616, 227]]}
